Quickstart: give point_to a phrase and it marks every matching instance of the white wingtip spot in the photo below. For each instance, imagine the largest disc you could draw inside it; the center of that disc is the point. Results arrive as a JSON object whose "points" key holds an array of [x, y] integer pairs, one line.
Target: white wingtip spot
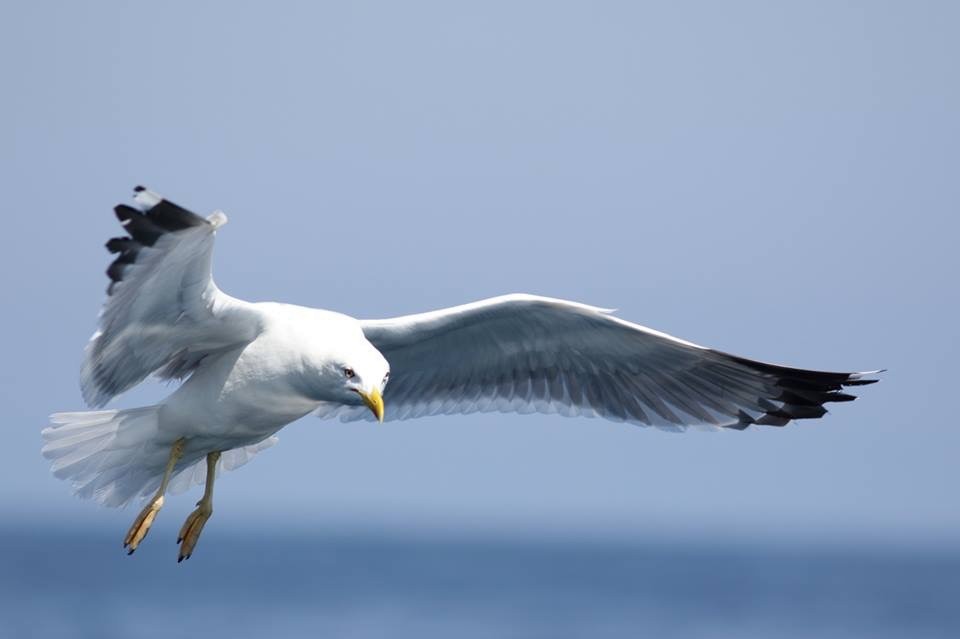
{"points": [[146, 200], [217, 219]]}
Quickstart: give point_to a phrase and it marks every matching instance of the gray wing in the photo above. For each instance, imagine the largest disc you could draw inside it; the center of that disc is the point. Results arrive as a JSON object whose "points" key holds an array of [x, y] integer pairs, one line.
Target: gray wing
{"points": [[521, 353], [163, 313]]}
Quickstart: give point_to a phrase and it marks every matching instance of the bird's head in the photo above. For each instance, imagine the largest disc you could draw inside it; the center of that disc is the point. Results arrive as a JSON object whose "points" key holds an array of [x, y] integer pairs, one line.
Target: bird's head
{"points": [[344, 368], [363, 380]]}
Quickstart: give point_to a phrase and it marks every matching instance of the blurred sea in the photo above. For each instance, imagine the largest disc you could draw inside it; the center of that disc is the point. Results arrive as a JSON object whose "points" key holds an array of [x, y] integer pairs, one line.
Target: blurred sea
{"points": [[57, 583]]}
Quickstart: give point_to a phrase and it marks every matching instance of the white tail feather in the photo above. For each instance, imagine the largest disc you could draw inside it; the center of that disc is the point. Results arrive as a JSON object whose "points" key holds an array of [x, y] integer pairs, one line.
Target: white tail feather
{"points": [[114, 456]]}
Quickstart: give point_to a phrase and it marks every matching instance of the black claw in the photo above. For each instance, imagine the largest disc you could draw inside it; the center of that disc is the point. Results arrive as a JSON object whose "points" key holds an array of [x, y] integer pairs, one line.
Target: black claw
{"points": [[179, 539], [179, 559], [130, 552]]}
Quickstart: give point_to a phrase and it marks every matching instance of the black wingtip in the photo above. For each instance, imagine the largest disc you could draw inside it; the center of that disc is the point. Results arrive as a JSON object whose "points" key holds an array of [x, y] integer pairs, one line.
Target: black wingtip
{"points": [[145, 225], [124, 212], [857, 379], [798, 393], [841, 397]]}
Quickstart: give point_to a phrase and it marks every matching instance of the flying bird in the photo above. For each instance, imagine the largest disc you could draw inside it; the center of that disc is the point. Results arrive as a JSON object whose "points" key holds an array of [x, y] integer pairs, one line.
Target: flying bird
{"points": [[249, 369]]}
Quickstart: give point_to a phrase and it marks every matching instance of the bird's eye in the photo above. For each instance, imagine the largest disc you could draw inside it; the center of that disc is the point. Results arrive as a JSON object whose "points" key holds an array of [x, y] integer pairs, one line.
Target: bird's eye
{"points": [[386, 378], [348, 373]]}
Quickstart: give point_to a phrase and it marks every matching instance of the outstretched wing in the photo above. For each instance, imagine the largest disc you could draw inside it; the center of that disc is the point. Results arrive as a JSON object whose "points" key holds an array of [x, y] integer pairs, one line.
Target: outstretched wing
{"points": [[163, 313], [521, 353]]}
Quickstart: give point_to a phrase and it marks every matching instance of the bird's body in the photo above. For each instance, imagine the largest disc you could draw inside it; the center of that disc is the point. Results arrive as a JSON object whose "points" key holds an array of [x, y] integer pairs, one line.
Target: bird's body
{"points": [[241, 397], [251, 368], [234, 400]]}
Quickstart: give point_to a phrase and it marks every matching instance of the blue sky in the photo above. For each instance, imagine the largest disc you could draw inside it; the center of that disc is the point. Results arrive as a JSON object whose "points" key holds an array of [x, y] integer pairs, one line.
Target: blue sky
{"points": [[777, 180]]}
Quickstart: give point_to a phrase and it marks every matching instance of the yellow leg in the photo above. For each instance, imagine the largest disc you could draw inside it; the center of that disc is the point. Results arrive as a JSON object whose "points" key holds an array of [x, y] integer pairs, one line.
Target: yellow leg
{"points": [[141, 525], [193, 526]]}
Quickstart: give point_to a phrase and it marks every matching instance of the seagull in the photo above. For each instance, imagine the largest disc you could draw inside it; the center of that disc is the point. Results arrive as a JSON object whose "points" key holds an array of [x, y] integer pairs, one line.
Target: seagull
{"points": [[249, 369]]}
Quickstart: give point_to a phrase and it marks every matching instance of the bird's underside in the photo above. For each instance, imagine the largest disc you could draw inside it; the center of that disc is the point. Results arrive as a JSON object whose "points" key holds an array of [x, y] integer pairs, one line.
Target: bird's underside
{"points": [[165, 316]]}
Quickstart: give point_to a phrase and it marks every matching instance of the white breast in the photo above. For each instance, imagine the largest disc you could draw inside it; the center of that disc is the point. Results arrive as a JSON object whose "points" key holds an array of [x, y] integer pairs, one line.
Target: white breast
{"points": [[239, 397]]}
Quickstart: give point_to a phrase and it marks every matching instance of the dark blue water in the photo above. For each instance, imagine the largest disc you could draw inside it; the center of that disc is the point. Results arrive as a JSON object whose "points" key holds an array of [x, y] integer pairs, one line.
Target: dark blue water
{"points": [[60, 584]]}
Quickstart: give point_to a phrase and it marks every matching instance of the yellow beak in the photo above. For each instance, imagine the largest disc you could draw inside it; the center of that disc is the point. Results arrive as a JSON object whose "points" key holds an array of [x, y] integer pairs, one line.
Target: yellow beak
{"points": [[374, 402]]}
